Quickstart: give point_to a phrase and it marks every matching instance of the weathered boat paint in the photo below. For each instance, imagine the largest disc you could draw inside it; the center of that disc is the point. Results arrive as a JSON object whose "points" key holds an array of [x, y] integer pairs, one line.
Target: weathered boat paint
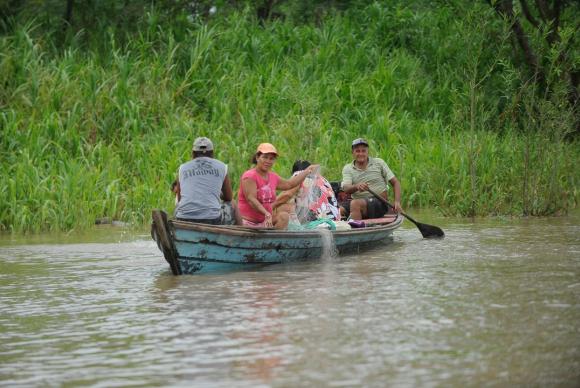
{"points": [[200, 248]]}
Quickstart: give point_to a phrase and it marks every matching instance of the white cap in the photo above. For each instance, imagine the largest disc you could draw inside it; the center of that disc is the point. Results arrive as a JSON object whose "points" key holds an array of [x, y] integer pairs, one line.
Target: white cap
{"points": [[202, 144]]}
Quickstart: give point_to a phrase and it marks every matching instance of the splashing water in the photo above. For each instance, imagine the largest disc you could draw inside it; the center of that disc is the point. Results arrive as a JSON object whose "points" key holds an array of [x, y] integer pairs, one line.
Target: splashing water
{"points": [[329, 251]]}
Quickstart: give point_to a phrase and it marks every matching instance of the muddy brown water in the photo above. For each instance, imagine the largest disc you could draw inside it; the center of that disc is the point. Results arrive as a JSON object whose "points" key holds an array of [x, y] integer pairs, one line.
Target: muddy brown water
{"points": [[495, 303]]}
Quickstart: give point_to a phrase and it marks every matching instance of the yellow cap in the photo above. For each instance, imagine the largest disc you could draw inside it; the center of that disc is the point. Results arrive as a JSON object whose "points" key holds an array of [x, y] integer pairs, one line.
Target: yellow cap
{"points": [[267, 148]]}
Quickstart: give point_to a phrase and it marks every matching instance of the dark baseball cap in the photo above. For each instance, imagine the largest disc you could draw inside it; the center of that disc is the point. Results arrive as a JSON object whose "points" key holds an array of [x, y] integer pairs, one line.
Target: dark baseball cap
{"points": [[359, 141]]}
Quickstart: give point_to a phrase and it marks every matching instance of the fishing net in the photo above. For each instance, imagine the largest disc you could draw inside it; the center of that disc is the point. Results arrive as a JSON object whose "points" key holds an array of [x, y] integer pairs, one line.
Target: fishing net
{"points": [[315, 199]]}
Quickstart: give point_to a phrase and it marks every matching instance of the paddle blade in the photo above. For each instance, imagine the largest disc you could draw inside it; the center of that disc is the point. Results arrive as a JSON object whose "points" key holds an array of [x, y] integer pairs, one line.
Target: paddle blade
{"points": [[430, 231]]}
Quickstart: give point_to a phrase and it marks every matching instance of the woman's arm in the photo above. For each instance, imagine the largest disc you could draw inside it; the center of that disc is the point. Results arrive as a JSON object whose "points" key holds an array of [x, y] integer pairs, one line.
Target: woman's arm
{"points": [[250, 190], [286, 184], [285, 196]]}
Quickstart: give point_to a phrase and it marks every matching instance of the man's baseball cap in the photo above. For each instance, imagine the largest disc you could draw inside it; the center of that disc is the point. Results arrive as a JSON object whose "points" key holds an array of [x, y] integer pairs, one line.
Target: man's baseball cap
{"points": [[202, 144], [359, 141]]}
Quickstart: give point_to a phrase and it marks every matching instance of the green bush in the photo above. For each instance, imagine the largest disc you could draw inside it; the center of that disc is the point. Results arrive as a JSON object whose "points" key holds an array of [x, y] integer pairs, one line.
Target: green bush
{"points": [[97, 126]]}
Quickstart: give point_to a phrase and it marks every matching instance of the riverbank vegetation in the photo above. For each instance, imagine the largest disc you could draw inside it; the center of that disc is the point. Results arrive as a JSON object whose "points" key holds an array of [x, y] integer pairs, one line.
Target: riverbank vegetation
{"points": [[95, 118]]}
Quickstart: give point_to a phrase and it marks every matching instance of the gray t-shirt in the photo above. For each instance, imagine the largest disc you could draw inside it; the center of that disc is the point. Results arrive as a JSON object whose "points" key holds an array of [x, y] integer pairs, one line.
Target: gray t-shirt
{"points": [[201, 181]]}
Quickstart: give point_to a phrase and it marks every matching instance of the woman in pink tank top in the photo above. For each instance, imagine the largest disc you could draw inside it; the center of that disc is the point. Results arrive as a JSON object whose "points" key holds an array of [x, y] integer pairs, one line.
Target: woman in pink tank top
{"points": [[258, 190]]}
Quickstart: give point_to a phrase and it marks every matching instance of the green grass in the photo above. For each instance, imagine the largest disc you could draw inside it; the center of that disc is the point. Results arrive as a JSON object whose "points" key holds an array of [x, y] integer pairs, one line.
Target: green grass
{"points": [[99, 128]]}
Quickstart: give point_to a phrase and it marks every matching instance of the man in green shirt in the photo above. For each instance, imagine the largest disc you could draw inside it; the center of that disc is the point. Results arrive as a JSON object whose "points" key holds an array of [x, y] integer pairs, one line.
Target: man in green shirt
{"points": [[363, 173]]}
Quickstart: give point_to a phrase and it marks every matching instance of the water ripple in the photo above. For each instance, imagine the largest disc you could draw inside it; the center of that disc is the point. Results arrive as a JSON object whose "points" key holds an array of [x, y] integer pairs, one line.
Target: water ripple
{"points": [[493, 301]]}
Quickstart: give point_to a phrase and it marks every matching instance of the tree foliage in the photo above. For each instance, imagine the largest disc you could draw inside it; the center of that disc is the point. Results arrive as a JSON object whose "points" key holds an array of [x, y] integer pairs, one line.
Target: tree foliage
{"points": [[546, 33]]}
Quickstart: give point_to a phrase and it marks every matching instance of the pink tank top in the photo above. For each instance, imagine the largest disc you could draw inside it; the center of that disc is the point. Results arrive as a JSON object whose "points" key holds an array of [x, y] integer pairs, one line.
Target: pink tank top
{"points": [[266, 195]]}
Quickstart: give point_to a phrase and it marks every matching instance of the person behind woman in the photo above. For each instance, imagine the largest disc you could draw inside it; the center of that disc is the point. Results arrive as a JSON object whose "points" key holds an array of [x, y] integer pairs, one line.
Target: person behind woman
{"points": [[314, 197], [286, 201], [258, 190]]}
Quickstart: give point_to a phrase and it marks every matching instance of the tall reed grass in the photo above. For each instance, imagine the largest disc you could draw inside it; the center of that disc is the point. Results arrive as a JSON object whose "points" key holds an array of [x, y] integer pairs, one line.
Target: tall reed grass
{"points": [[99, 128]]}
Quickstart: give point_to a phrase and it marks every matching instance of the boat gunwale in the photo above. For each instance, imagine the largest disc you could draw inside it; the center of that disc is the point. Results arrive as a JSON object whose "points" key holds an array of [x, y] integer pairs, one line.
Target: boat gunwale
{"points": [[241, 231]]}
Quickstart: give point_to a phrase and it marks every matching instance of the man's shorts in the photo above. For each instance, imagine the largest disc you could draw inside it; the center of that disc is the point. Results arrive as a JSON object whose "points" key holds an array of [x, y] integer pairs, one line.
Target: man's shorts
{"points": [[376, 208], [345, 208], [226, 216]]}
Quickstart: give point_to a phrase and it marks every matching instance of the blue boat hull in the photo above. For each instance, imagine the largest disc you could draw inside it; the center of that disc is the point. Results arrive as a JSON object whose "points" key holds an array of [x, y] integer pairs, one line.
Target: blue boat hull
{"points": [[197, 248], [206, 249]]}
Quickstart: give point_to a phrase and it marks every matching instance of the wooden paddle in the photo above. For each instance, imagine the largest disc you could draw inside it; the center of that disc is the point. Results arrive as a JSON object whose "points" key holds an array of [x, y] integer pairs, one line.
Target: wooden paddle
{"points": [[426, 230]]}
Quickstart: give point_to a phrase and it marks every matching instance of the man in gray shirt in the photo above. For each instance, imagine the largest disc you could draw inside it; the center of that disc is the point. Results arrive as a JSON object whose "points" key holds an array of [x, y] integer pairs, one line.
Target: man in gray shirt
{"points": [[202, 184]]}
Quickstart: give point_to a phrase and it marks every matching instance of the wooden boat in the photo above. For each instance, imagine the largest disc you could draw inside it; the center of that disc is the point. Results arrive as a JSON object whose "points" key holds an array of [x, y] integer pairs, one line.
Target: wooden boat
{"points": [[191, 247]]}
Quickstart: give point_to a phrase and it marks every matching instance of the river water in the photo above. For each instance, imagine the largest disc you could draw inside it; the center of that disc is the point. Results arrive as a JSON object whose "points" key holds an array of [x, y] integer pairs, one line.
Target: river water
{"points": [[495, 303]]}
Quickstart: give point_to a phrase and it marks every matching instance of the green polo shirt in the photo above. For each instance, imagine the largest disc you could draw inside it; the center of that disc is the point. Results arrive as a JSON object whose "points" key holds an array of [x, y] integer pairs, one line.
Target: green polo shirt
{"points": [[376, 175]]}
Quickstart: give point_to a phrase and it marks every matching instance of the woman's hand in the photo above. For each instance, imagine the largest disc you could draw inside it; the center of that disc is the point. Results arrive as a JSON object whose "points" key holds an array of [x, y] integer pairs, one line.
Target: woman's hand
{"points": [[296, 180], [268, 223], [312, 168]]}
